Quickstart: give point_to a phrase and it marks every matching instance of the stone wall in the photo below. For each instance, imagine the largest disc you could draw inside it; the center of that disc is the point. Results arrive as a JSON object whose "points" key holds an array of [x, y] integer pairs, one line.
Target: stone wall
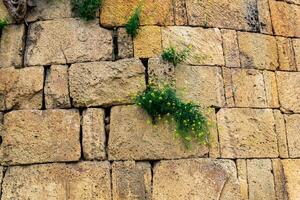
{"points": [[69, 129]]}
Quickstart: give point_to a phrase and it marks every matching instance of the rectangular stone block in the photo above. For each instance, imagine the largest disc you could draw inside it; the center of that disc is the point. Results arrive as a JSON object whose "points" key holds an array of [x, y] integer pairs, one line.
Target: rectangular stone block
{"points": [[230, 14], [231, 48], [228, 87], [4, 14], [289, 91], [125, 44], [293, 136], [195, 179], [296, 46], [281, 134], [241, 166], [180, 13], [12, 46], [131, 180], [84, 180], [247, 133], [57, 87], [106, 83], [286, 54], [292, 176], [67, 41], [93, 134], [258, 51], [133, 137], [279, 180], [21, 88], [205, 44], [264, 16], [40, 136]]}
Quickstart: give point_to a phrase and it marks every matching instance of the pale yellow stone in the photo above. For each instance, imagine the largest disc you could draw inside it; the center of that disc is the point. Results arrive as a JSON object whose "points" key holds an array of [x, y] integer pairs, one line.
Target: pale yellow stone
{"points": [[231, 48], [125, 44], [241, 166], [286, 54], [228, 87], [271, 89], [180, 13], [214, 147], [264, 16], [279, 180], [296, 45], [293, 134], [281, 134], [161, 72], [292, 177]]}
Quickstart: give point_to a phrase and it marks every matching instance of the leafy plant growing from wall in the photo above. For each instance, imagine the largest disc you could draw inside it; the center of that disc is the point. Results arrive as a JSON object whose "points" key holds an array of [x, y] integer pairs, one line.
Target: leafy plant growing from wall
{"points": [[86, 9], [133, 23], [3, 23], [171, 55], [160, 102]]}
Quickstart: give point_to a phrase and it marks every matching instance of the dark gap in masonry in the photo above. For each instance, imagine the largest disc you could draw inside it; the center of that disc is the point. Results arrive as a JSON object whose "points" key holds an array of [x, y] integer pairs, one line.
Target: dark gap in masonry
{"points": [[115, 45], [46, 73], [107, 128], [145, 63]]}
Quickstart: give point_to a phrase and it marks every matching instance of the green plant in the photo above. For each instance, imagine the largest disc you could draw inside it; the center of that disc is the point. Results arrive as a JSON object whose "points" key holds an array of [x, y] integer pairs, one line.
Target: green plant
{"points": [[191, 124], [133, 23], [171, 55], [86, 9], [3, 23]]}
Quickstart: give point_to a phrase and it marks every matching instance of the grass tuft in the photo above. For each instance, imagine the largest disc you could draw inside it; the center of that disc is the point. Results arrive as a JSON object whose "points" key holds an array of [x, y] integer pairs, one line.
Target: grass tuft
{"points": [[171, 55], [86, 9], [133, 23], [3, 23]]}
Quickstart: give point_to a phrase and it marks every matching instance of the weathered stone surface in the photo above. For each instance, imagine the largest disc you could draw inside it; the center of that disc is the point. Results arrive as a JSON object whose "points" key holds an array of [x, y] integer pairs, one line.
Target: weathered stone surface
{"points": [[247, 133], [40, 136], [292, 177], [281, 134], [285, 18], [82, 181], [200, 84], [279, 180], [147, 43], [264, 16], [289, 91], [214, 146], [232, 14], [12, 46], [117, 13], [21, 88], [4, 13], [195, 179], [205, 44], [258, 51], [228, 87], [67, 41], [231, 48], [57, 87], [131, 137], [93, 134], [296, 45], [45, 10], [180, 12], [161, 72], [260, 179], [286, 54], [125, 44], [241, 166], [293, 136], [106, 83], [293, 1], [131, 180], [271, 89]]}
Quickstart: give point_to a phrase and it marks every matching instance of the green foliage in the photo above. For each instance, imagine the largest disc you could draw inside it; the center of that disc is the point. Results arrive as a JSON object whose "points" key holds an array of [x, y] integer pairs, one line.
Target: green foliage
{"points": [[86, 9], [133, 23], [3, 23], [191, 124], [173, 56]]}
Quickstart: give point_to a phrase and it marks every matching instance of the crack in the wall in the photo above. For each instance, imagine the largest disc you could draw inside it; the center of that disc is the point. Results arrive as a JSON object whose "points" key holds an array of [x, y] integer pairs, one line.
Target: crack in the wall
{"points": [[81, 112], [107, 129], [115, 55], [1, 184], [46, 74], [145, 63]]}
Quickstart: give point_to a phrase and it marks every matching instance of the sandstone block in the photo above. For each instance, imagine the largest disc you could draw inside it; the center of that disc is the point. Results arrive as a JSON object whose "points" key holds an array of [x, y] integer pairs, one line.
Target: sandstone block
{"points": [[195, 179], [264, 16], [4, 14], [231, 14], [40, 136], [293, 1], [125, 44], [12, 46], [93, 136], [85, 180], [247, 133], [57, 87], [241, 166], [286, 54], [67, 41], [161, 72], [180, 13], [258, 51], [131, 137], [117, 13], [228, 87], [289, 91], [205, 44], [296, 45], [131, 181], [293, 136], [285, 18], [148, 42], [292, 176], [231, 48], [106, 83], [260, 179], [281, 134], [279, 180], [21, 88]]}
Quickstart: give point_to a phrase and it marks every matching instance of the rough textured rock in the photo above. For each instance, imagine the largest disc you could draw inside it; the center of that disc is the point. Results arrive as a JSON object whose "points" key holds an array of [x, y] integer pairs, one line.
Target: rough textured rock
{"points": [[285, 18], [161, 72], [45, 10], [228, 87], [4, 13], [93, 134], [67, 41], [125, 44], [147, 43], [131, 137], [131, 181], [200, 84], [289, 91], [231, 48], [231, 14], [264, 16], [40, 136], [21, 88], [241, 166], [106, 83], [286, 54], [82, 181], [281, 134], [116, 13], [12, 46], [293, 136], [260, 179], [180, 12], [195, 179], [57, 87], [292, 177], [214, 147], [205, 44], [279, 180], [296, 45], [247, 133], [258, 51]]}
